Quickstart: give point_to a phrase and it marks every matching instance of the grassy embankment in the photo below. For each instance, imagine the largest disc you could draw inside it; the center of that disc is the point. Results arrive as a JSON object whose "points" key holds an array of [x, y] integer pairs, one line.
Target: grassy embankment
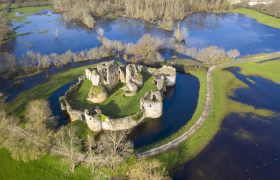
{"points": [[262, 18], [116, 105], [224, 84]]}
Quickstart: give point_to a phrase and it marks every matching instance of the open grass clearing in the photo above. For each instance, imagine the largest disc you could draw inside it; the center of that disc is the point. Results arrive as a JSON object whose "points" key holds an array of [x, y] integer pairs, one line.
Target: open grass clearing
{"points": [[47, 167], [262, 18], [116, 105]]}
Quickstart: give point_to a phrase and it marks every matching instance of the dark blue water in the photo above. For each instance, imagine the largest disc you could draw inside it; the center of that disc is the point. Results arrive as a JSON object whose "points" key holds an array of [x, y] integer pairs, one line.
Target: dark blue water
{"points": [[55, 104], [178, 107], [247, 146], [225, 30], [268, 60]]}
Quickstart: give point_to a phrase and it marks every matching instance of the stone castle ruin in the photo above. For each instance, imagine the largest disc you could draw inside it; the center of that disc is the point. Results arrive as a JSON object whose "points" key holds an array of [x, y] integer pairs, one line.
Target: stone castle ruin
{"points": [[105, 77]]}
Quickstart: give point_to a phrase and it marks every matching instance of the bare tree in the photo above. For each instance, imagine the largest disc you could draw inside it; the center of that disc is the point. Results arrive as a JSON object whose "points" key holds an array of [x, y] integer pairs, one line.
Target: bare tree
{"points": [[113, 145], [56, 33], [67, 139], [41, 118], [233, 53], [145, 48], [147, 170]]}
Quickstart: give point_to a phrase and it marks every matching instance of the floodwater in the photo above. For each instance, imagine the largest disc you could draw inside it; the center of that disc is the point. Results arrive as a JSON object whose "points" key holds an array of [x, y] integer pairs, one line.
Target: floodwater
{"points": [[247, 146], [225, 30]]}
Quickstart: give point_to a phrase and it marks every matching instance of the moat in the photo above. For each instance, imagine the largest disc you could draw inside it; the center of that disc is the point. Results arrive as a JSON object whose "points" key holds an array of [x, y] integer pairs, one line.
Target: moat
{"points": [[224, 30]]}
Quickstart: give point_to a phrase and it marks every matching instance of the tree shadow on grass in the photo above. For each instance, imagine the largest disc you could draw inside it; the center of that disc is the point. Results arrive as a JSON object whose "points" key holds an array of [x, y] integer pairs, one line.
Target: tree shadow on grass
{"points": [[111, 109], [115, 89]]}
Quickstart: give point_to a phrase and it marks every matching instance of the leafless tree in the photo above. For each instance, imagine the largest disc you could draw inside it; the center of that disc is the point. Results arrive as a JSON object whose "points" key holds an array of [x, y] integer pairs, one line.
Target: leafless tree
{"points": [[147, 170], [113, 145], [145, 48], [67, 139], [233, 53], [41, 118], [56, 33]]}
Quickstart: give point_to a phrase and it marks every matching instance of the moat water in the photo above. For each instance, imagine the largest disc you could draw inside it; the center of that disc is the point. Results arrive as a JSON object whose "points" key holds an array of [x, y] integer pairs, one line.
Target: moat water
{"points": [[230, 155]]}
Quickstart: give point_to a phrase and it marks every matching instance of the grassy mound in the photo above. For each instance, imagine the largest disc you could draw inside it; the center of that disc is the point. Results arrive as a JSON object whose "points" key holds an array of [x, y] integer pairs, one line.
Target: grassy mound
{"points": [[95, 90], [117, 105]]}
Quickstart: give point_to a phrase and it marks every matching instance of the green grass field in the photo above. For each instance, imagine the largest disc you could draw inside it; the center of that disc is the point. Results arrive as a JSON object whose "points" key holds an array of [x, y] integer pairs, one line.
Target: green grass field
{"points": [[25, 10], [47, 167], [262, 18], [116, 105]]}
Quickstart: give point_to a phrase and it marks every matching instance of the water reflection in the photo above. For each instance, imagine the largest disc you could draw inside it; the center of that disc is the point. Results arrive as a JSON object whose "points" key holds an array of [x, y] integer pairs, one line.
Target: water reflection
{"points": [[178, 107], [227, 31], [247, 146]]}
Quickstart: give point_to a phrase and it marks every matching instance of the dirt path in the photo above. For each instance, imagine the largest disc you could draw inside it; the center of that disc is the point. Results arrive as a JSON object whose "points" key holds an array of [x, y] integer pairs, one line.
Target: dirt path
{"points": [[209, 95]]}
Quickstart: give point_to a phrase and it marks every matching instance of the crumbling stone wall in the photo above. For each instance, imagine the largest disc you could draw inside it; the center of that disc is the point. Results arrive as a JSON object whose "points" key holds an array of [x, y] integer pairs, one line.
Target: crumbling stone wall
{"points": [[152, 104], [109, 74]]}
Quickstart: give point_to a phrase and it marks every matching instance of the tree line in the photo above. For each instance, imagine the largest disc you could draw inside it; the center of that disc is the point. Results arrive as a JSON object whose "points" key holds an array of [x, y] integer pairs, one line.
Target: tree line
{"points": [[146, 49], [149, 10]]}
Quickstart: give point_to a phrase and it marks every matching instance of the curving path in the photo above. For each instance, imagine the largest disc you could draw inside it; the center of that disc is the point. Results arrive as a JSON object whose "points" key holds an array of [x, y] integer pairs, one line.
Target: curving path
{"points": [[83, 157], [203, 116]]}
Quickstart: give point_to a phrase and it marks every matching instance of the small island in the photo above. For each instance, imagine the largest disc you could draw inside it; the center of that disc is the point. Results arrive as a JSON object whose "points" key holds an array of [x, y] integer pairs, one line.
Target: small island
{"points": [[118, 97]]}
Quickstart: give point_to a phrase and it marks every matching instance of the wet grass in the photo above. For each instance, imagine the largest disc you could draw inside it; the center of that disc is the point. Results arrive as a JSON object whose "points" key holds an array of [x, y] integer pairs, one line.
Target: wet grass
{"points": [[268, 69], [117, 105], [44, 32], [262, 18], [26, 12], [30, 74], [47, 167]]}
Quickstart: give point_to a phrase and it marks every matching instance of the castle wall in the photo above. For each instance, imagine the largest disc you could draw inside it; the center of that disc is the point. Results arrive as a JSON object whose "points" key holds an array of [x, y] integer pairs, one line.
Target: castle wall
{"points": [[93, 123], [109, 74]]}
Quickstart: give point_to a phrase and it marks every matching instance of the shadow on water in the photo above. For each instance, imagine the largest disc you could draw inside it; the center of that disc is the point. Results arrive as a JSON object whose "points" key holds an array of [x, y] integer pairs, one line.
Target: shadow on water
{"points": [[247, 146], [178, 107]]}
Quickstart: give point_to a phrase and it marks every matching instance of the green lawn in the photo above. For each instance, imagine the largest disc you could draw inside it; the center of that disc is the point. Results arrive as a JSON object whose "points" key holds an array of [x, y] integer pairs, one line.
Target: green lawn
{"points": [[116, 105], [262, 18], [47, 167]]}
